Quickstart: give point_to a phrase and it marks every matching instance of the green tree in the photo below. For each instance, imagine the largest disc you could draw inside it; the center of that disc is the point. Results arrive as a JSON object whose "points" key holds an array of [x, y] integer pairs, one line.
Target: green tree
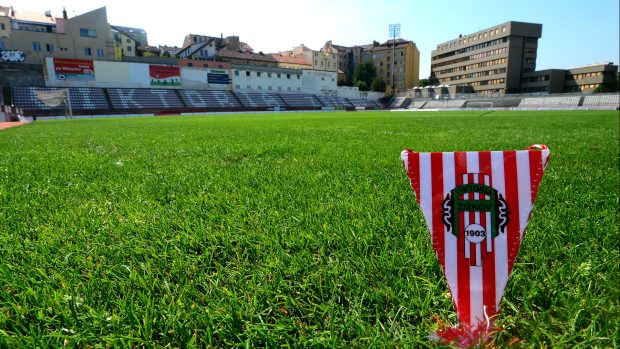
{"points": [[364, 72], [362, 85], [423, 82], [378, 84]]}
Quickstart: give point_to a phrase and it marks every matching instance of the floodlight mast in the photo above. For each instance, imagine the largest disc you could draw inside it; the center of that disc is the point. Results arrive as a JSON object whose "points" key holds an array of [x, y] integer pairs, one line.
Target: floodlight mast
{"points": [[394, 30]]}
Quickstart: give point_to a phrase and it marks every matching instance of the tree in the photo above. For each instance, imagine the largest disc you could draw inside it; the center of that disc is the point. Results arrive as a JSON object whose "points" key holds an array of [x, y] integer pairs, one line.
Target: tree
{"points": [[423, 82], [364, 72], [362, 85], [378, 84]]}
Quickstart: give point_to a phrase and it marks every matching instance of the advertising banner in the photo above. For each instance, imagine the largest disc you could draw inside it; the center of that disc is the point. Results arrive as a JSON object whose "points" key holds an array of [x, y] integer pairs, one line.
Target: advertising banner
{"points": [[74, 69], [164, 75]]}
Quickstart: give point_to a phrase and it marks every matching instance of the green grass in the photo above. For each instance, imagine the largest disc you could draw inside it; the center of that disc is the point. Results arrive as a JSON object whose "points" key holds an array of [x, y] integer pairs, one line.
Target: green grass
{"points": [[287, 230]]}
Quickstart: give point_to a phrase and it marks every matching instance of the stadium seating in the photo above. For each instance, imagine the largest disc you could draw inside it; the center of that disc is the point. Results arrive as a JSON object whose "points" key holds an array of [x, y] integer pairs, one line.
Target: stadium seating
{"points": [[300, 100], [550, 102], [602, 101], [417, 103], [334, 101], [444, 104], [209, 99], [399, 102], [260, 99], [139, 98], [364, 103], [82, 98]]}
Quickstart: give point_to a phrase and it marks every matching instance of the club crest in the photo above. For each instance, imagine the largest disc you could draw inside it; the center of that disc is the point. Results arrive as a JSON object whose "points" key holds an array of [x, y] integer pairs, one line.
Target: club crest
{"points": [[475, 213]]}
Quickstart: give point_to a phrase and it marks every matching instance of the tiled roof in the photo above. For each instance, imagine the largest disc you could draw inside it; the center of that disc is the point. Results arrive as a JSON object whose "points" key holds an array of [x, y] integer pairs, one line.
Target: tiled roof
{"points": [[246, 55], [290, 59], [128, 29], [35, 17], [388, 44]]}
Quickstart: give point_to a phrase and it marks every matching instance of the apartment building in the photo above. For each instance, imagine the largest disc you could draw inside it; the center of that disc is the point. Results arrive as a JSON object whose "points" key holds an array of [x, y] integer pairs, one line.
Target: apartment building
{"points": [[489, 61], [29, 37], [581, 79]]}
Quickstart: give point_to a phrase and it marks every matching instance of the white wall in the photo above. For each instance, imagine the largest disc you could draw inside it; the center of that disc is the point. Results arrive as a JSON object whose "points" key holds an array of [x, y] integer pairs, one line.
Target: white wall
{"points": [[196, 78], [320, 82], [267, 81]]}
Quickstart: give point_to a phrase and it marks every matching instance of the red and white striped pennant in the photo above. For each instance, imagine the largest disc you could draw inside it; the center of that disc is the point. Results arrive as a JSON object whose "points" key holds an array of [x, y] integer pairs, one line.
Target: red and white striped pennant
{"points": [[477, 206]]}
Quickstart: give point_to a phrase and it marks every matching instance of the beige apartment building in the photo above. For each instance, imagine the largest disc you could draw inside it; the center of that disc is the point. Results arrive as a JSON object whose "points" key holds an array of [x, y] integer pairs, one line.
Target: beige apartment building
{"points": [[405, 71], [29, 37], [488, 61], [406, 64]]}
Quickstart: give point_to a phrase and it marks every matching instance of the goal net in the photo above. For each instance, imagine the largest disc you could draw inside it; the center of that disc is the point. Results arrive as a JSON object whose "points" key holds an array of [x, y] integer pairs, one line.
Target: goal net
{"points": [[54, 98]]}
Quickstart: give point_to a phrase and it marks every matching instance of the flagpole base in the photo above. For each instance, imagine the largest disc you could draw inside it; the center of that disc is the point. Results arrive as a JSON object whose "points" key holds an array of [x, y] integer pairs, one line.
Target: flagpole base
{"points": [[464, 336]]}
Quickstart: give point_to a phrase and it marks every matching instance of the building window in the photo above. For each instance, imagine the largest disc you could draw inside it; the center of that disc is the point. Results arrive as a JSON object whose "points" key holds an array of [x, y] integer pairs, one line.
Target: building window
{"points": [[298, 76], [129, 41], [279, 76], [129, 49], [190, 64], [36, 46], [269, 88], [260, 87], [503, 29], [220, 66], [248, 87], [87, 51], [2, 26], [49, 47], [237, 87], [247, 73], [269, 75], [288, 76], [258, 74], [236, 73], [88, 33], [402, 53], [100, 52]]}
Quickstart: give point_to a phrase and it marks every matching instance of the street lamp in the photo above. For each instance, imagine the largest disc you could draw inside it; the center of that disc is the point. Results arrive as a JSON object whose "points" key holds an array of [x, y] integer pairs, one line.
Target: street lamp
{"points": [[394, 31]]}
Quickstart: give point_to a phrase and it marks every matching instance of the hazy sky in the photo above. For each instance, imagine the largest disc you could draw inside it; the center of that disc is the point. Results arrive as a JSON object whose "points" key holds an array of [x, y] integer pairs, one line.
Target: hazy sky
{"points": [[575, 33]]}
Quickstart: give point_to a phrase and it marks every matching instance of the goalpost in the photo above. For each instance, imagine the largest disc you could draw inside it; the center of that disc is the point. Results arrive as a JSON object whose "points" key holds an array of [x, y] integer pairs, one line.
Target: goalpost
{"points": [[55, 98], [480, 105]]}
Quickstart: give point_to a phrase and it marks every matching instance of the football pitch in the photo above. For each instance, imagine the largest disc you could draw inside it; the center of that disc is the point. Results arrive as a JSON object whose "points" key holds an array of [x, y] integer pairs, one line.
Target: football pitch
{"points": [[288, 230]]}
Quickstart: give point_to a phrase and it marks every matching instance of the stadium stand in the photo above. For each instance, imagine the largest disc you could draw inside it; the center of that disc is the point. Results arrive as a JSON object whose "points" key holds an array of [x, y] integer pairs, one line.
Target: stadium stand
{"points": [[83, 98], [149, 99], [334, 101], [301, 101], [602, 101], [260, 100], [209, 99], [417, 103], [444, 104], [399, 102], [550, 102], [364, 103]]}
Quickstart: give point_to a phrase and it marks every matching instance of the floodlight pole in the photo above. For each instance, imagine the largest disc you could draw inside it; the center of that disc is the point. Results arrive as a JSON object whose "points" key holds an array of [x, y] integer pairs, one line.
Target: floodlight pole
{"points": [[394, 30]]}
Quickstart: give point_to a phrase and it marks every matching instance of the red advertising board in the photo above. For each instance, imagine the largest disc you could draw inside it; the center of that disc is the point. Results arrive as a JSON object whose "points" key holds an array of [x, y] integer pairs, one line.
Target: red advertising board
{"points": [[164, 75], [74, 69]]}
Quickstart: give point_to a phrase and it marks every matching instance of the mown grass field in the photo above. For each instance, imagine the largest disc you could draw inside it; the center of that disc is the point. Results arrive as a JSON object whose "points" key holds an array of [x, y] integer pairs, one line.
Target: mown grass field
{"points": [[288, 230]]}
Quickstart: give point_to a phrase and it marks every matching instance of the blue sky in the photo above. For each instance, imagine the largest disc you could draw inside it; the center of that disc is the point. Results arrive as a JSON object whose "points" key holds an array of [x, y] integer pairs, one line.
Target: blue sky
{"points": [[575, 33]]}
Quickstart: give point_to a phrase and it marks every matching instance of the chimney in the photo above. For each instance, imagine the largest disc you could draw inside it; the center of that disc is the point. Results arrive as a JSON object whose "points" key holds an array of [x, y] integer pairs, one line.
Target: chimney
{"points": [[64, 13], [12, 13], [222, 36]]}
